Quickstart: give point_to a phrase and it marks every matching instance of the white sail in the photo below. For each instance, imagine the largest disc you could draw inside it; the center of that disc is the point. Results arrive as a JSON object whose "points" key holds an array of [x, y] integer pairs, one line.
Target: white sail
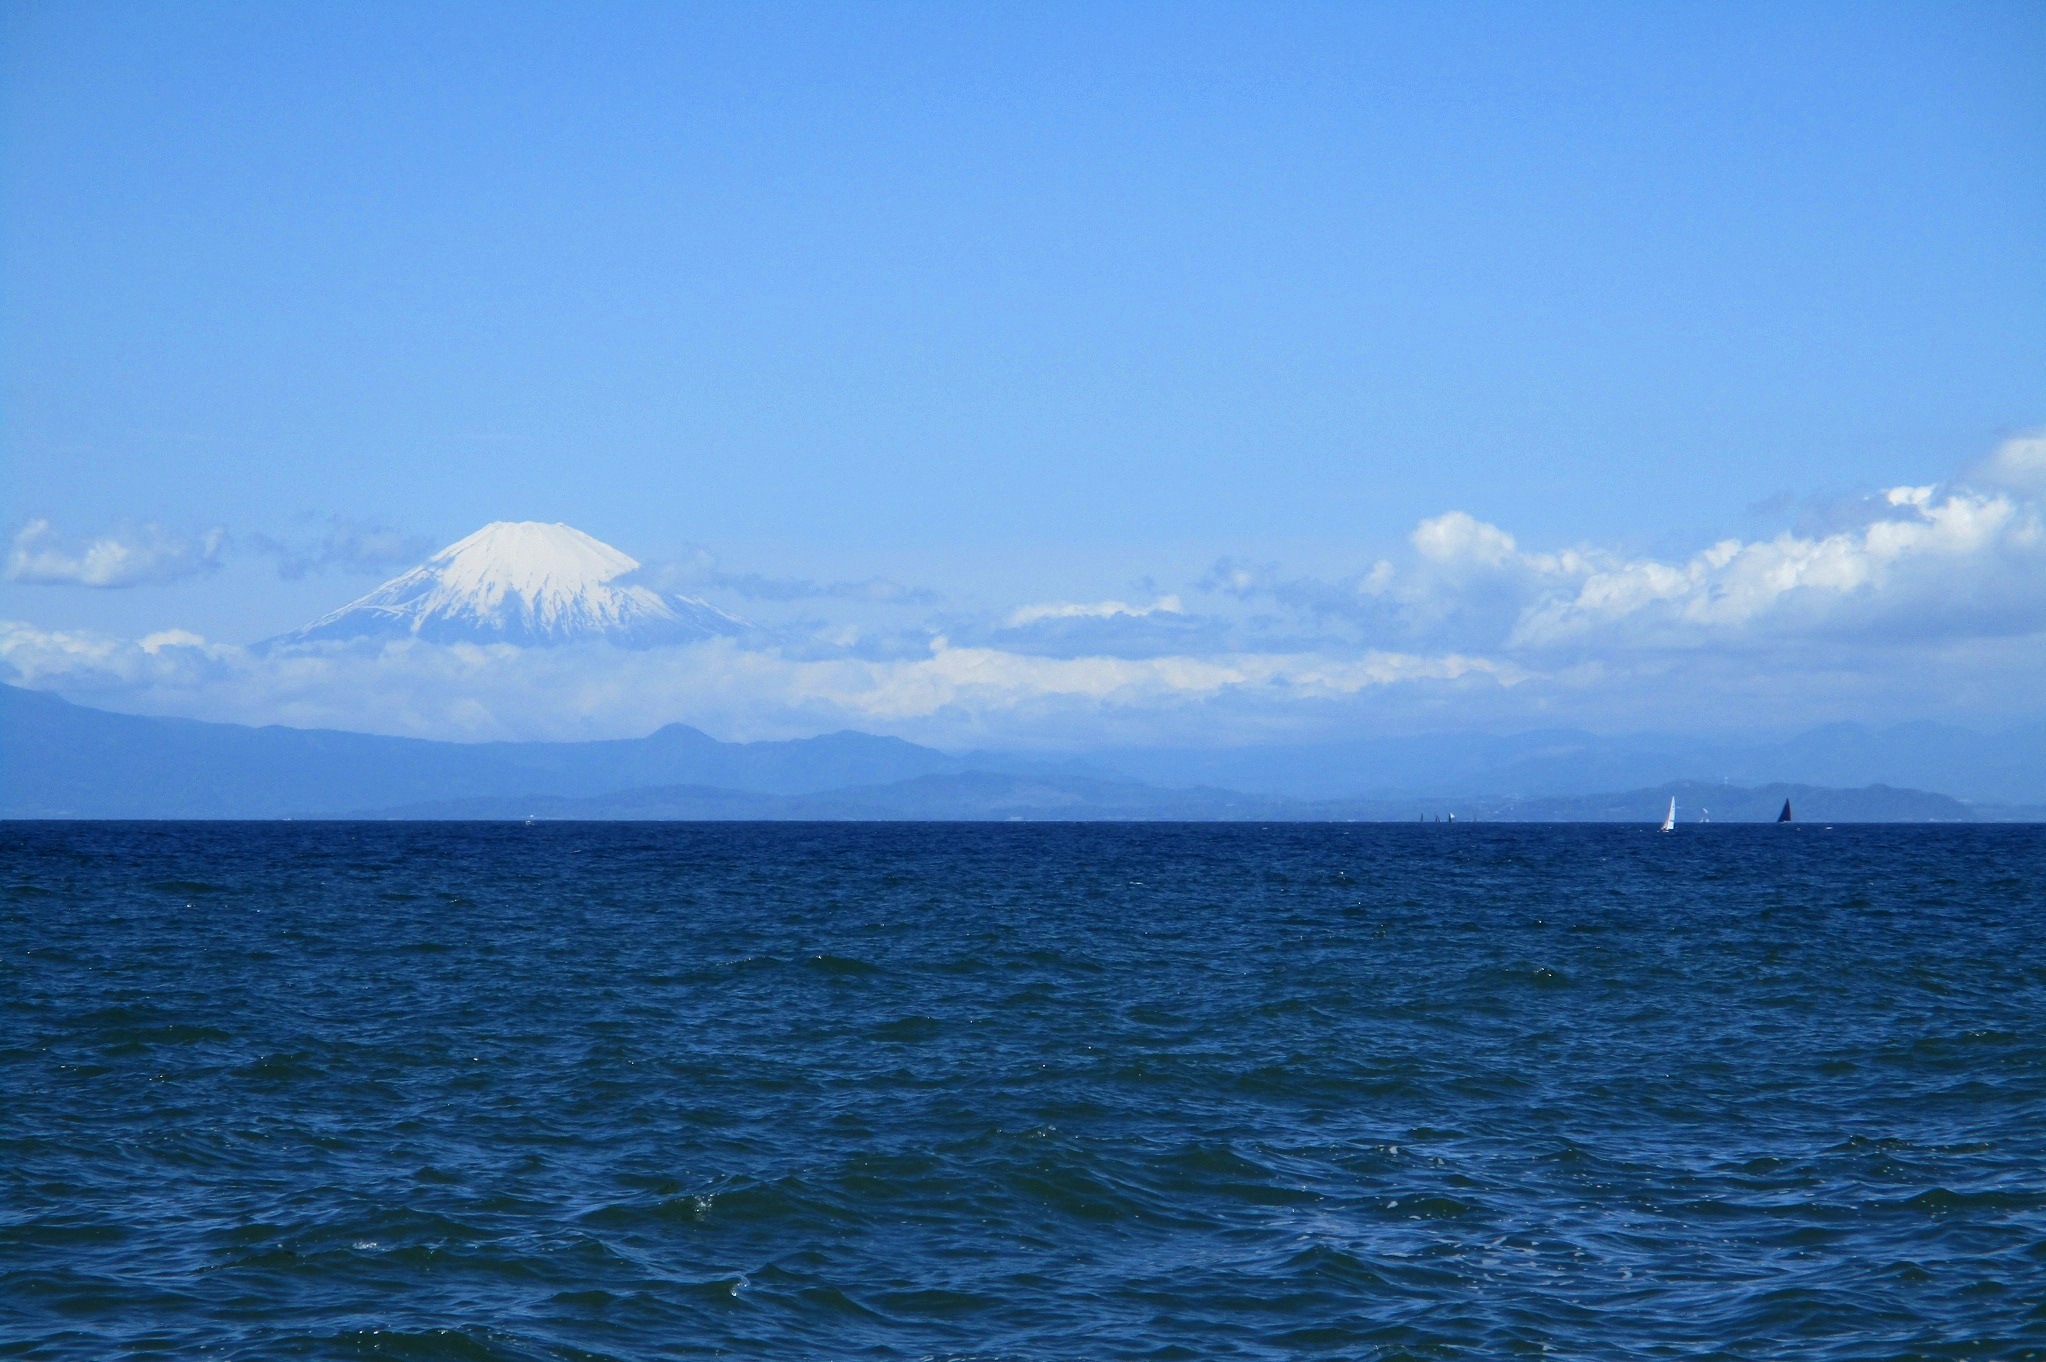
{"points": [[1669, 822]]}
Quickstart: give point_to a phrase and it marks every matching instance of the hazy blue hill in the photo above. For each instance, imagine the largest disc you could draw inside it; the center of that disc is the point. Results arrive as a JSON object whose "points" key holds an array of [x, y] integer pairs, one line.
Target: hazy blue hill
{"points": [[1725, 803], [63, 760], [991, 795], [681, 755], [961, 796], [58, 759], [2008, 767], [2005, 767], [676, 803]]}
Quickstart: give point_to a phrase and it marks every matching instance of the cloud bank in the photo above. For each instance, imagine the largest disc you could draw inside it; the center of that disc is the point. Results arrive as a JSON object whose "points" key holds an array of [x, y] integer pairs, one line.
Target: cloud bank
{"points": [[150, 555], [1924, 601], [1099, 610], [146, 555], [1925, 562], [490, 691]]}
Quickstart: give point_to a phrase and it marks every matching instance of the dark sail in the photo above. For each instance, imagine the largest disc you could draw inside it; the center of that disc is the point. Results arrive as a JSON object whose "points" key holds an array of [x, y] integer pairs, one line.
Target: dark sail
{"points": [[1784, 817]]}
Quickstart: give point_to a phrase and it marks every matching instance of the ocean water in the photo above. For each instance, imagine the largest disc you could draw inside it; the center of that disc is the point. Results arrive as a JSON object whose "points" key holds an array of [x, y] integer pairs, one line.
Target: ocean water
{"points": [[1051, 1091]]}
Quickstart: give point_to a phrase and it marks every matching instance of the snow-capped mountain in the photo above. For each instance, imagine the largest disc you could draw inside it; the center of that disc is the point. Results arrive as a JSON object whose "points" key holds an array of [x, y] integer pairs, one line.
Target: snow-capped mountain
{"points": [[522, 582]]}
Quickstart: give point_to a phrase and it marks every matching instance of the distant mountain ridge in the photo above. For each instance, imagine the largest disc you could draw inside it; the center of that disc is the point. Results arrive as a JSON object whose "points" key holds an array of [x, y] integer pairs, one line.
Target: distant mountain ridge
{"points": [[2007, 767], [60, 760], [1706, 802], [63, 760], [965, 796], [979, 796], [520, 582]]}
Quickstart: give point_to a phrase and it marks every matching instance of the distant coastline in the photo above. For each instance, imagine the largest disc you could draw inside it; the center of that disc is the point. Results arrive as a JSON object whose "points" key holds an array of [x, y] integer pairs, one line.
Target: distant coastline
{"points": [[977, 796], [66, 761]]}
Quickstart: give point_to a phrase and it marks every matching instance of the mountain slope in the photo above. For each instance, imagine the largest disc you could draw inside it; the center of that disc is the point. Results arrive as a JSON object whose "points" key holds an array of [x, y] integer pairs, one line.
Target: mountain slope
{"points": [[2007, 767], [963, 796], [63, 760], [1700, 801], [60, 760], [988, 796], [520, 582]]}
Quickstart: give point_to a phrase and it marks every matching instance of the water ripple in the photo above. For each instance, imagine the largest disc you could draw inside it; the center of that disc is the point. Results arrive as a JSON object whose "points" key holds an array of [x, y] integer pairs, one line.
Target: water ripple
{"points": [[581, 1092]]}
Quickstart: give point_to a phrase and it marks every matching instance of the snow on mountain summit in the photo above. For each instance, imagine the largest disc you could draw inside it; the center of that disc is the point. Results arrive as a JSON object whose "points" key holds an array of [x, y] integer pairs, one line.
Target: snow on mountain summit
{"points": [[521, 582]]}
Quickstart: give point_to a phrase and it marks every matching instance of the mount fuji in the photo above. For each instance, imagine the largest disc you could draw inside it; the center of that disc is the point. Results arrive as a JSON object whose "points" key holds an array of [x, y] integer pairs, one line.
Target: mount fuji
{"points": [[521, 582]]}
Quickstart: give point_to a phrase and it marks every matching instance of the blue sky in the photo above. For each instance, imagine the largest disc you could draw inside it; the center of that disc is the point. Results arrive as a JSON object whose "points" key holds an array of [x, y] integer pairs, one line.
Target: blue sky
{"points": [[1027, 305]]}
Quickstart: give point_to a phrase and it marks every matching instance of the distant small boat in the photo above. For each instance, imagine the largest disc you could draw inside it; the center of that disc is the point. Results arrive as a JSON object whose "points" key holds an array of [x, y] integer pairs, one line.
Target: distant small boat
{"points": [[1669, 820], [1784, 817]]}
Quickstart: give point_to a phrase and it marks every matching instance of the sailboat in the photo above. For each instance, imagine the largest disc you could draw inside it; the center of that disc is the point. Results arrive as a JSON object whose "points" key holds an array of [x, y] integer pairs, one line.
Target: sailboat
{"points": [[1784, 817], [1669, 821]]}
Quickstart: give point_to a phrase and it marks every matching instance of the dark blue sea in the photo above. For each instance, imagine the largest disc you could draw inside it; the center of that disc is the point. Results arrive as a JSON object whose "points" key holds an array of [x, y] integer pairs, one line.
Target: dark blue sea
{"points": [[1022, 1092]]}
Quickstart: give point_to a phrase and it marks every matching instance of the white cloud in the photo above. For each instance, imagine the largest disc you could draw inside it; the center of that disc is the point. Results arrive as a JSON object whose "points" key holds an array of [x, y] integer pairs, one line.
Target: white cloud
{"points": [[154, 644], [1932, 598], [500, 691], [1919, 562], [144, 555], [1098, 610], [2018, 465], [170, 660], [991, 679], [1459, 537], [1933, 562]]}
